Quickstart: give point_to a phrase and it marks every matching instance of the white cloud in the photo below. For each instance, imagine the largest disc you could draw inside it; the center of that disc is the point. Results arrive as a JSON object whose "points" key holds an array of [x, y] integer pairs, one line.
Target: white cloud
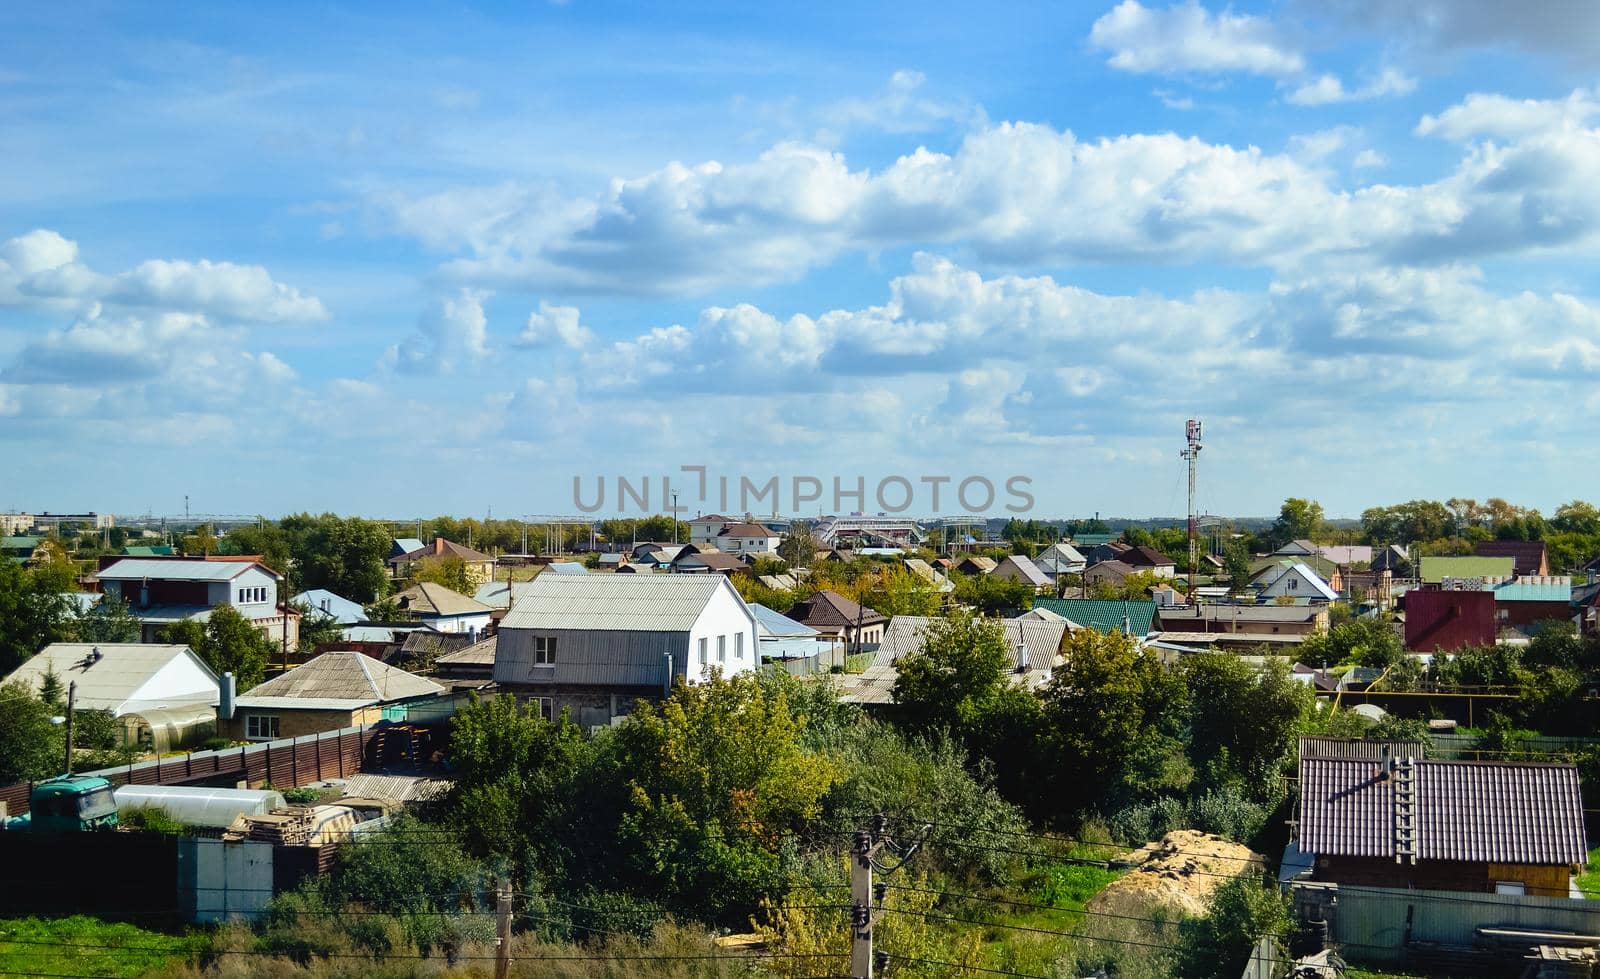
{"points": [[900, 108], [101, 349], [1328, 89], [1495, 116], [456, 329], [555, 326], [1187, 38], [1369, 159]]}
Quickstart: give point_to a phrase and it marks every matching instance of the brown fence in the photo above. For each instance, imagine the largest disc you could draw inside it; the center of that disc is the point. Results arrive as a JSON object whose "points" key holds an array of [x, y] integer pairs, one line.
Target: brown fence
{"points": [[285, 764]]}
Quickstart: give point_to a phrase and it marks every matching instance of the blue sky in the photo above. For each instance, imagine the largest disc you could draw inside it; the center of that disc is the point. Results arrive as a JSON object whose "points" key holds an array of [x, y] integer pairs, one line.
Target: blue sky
{"points": [[314, 256]]}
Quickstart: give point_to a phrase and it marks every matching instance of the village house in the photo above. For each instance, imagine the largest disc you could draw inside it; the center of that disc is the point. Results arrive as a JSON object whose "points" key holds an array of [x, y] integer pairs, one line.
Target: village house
{"points": [[443, 610], [704, 529], [744, 539], [1376, 814], [711, 561], [161, 591], [1059, 559], [1436, 570], [1134, 618], [1528, 557], [1296, 580], [1142, 558], [595, 644], [479, 566], [1019, 567], [1108, 573], [1446, 619], [1531, 599], [975, 564], [1250, 620], [326, 693], [838, 618], [1034, 644], [320, 601]]}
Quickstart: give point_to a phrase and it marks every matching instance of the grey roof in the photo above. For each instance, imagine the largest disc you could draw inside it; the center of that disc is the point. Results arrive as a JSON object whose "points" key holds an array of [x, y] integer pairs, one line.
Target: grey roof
{"points": [[341, 610], [1020, 567], [480, 653], [342, 677], [432, 598], [1494, 812], [1317, 746], [130, 569], [369, 633], [108, 682], [614, 602], [904, 637], [500, 594], [771, 623], [1306, 574], [1179, 616], [565, 567]]}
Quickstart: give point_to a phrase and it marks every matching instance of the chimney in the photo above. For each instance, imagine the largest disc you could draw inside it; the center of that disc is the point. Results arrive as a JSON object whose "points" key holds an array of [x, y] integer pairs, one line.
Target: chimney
{"points": [[1022, 657], [225, 698], [438, 545]]}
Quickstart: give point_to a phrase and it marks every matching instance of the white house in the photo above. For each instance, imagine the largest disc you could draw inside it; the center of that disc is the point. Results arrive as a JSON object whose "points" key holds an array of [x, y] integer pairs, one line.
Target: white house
{"points": [[323, 602], [704, 529], [593, 644], [160, 591], [444, 610], [743, 538], [1292, 579]]}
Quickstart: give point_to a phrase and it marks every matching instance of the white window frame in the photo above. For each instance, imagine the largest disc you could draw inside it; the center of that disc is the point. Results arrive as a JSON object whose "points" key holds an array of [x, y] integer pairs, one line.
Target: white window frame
{"points": [[722, 649], [703, 646], [547, 707], [254, 723], [738, 646], [1510, 887], [544, 650]]}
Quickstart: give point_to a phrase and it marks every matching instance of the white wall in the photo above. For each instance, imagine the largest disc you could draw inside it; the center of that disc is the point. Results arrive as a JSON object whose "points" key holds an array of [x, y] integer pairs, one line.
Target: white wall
{"points": [[726, 616], [460, 623], [184, 680]]}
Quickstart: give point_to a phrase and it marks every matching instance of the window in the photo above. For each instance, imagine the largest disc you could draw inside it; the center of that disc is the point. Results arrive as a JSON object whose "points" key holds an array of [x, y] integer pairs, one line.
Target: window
{"points": [[738, 645], [261, 727], [547, 707], [544, 650], [1510, 887], [702, 650], [1294, 584], [722, 649]]}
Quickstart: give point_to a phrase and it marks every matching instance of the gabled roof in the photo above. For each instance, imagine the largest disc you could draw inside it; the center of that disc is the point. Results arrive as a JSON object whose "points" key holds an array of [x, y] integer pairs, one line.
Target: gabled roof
{"points": [[1302, 571], [148, 550], [1477, 812], [614, 602], [480, 653], [1144, 556], [711, 518], [1529, 555], [500, 594], [341, 610], [346, 678], [432, 598], [1103, 616], [773, 623], [111, 680], [1042, 639], [1120, 569], [829, 610], [405, 545], [442, 548], [713, 560], [983, 564], [162, 569], [1093, 540], [745, 530], [1020, 567], [1436, 569], [565, 567]]}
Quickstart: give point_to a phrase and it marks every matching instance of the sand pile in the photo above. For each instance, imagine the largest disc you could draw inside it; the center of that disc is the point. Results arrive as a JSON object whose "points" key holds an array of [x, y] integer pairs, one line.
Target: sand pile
{"points": [[1177, 873]]}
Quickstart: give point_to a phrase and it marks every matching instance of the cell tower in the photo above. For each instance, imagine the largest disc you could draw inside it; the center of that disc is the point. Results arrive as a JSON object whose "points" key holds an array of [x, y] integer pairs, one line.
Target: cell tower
{"points": [[1191, 453]]}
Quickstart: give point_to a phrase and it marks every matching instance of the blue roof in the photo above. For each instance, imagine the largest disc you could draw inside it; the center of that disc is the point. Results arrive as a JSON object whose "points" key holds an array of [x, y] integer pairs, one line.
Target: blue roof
{"points": [[405, 545], [1522, 590], [1101, 615], [566, 567], [777, 624]]}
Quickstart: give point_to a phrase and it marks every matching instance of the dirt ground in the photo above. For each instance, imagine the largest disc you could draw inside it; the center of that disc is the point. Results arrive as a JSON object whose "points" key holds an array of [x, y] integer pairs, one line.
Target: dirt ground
{"points": [[1176, 873]]}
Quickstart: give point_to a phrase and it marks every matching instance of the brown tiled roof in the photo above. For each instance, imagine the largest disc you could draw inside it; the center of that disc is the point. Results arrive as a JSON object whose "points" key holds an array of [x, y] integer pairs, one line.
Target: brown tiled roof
{"points": [[830, 610], [1144, 556], [715, 560], [1528, 554], [443, 548], [1477, 812], [745, 530]]}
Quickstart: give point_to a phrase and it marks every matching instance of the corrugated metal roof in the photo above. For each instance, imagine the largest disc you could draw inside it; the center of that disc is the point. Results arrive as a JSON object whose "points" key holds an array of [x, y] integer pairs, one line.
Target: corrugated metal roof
{"points": [[1021, 568], [1545, 588], [432, 598], [645, 603], [345, 676], [138, 568], [108, 682], [1102, 616], [480, 653], [1317, 746], [565, 567], [1474, 812], [771, 623], [1436, 569]]}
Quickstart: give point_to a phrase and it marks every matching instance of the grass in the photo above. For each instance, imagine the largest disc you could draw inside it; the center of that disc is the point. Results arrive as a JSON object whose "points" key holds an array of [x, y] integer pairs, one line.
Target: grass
{"points": [[1589, 880], [71, 946], [857, 662]]}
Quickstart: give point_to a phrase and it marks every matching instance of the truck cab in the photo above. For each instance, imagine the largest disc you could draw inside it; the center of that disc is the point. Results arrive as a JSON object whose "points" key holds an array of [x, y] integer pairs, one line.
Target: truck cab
{"points": [[72, 804]]}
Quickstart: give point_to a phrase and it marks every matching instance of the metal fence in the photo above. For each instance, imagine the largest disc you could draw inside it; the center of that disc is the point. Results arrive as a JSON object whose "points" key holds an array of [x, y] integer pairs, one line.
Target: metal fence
{"points": [[1390, 925]]}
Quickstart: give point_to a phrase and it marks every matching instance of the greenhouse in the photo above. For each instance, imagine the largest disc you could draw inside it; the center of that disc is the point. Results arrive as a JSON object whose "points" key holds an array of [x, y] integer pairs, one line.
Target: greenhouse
{"points": [[164, 729], [199, 805]]}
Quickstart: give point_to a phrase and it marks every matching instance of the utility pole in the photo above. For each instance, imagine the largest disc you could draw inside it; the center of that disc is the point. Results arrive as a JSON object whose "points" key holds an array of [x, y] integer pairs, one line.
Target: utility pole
{"points": [[866, 846], [1191, 453], [674, 517], [72, 693], [502, 915]]}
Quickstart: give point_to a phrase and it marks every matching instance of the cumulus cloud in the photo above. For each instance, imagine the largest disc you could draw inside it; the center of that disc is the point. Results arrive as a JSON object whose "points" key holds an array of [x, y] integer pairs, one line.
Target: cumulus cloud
{"points": [[1495, 116], [555, 326], [41, 268], [902, 107], [1328, 89], [1188, 38], [102, 349], [456, 329]]}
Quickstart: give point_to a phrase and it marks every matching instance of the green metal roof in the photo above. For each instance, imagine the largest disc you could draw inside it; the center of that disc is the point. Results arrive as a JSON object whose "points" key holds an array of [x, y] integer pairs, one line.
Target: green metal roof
{"points": [[18, 543], [1094, 540], [1436, 569], [1101, 615], [148, 550]]}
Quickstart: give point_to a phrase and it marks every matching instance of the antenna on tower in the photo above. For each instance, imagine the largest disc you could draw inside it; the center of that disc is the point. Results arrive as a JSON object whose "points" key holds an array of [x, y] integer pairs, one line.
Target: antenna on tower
{"points": [[1191, 453]]}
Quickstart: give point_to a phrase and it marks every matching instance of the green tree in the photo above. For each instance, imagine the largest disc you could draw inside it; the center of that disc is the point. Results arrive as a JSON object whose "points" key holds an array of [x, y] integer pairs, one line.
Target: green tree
{"points": [[1242, 911], [33, 614], [1094, 716], [107, 620], [990, 595], [1243, 720], [798, 547], [317, 628], [1236, 563], [228, 642], [30, 746], [896, 591], [1577, 517], [1298, 519], [447, 570]]}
